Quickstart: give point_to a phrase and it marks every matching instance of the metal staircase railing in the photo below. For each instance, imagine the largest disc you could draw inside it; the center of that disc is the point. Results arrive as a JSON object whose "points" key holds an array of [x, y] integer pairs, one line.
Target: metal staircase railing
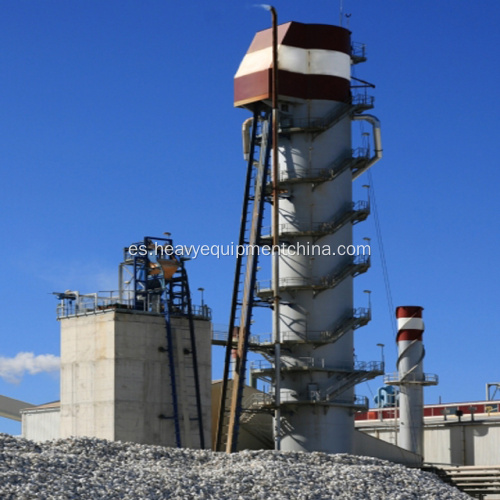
{"points": [[358, 158], [411, 378], [265, 401], [354, 267], [358, 52], [362, 371], [262, 343], [359, 103], [353, 212]]}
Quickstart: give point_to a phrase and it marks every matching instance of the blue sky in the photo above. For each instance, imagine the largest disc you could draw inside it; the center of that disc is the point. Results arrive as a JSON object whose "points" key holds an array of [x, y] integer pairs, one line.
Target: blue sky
{"points": [[117, 122]]}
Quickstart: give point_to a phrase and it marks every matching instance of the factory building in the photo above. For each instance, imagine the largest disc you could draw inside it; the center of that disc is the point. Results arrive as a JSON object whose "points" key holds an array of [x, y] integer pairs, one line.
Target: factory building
{"points": [[466, 433], [41, 423]]}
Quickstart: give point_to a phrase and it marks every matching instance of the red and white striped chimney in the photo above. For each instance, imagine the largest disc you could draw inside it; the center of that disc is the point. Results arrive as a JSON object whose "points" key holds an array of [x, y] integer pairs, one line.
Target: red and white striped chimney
{"points": [[411, 377]]}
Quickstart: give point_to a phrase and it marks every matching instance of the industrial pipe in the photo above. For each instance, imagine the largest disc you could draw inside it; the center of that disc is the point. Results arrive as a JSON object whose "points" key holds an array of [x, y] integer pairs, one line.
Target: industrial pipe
{"points": [[275, 232], [245, 132], [377, 142]]}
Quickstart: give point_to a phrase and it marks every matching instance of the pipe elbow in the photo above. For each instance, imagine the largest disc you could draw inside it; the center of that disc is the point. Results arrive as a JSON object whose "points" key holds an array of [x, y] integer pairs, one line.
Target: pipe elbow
{"points": [[377, 141], [245, 132], [369, 118], [377, 138]]}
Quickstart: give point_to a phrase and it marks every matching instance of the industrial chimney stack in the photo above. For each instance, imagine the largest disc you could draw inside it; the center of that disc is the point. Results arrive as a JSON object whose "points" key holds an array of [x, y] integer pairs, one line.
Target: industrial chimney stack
{"points": [[410, 377]]}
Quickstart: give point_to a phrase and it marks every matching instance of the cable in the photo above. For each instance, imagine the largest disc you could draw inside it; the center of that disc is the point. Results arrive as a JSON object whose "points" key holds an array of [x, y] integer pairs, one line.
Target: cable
{"points": [[383, 260], [370, 389]]}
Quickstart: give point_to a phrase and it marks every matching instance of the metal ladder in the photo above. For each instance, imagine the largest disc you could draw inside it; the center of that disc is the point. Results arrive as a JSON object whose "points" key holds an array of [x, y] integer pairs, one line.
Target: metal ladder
{"points": [[244, 280]]}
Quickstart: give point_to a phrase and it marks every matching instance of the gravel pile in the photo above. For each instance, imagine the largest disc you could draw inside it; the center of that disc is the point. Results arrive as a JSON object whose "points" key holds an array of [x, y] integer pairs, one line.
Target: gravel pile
{"points": [[91, 468]]}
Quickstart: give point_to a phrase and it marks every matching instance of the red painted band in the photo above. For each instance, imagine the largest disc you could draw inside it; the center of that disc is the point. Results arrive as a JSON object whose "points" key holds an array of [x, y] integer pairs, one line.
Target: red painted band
{"points": [[305, 36], [257, 87], [409, 335], [409, 312]]}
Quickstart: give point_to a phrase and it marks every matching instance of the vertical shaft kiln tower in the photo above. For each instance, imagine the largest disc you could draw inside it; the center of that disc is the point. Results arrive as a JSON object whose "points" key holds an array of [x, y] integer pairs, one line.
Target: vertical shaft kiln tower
{"points": [[316, 167]]}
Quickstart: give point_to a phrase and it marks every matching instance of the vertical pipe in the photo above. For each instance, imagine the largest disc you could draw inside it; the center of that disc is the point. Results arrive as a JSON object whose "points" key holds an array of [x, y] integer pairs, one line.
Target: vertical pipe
{"points": [[192, 338], [173, 383], [275, 231]]}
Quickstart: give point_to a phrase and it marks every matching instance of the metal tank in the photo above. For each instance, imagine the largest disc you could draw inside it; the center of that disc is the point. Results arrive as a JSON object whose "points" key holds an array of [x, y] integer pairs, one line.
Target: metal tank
{"points": [[313, 397]]}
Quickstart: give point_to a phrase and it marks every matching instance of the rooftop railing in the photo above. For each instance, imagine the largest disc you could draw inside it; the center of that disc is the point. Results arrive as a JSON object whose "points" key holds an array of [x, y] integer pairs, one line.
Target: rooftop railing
{"points": [[73, 303]]}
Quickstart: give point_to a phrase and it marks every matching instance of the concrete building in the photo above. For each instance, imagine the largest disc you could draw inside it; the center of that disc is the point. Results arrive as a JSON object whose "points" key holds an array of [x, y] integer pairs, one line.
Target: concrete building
{"points": [[115, 381], [115, 378]]}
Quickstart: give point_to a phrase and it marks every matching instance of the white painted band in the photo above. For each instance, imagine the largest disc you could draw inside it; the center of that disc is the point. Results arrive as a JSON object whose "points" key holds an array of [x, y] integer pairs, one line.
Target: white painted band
{"points": [[410, 324], [255, 61], [297, 60], [315, 61]]}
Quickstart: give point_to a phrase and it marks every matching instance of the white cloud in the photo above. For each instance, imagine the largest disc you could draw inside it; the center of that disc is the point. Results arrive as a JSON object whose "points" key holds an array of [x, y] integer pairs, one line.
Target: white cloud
{"points": [[13, 369]]}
